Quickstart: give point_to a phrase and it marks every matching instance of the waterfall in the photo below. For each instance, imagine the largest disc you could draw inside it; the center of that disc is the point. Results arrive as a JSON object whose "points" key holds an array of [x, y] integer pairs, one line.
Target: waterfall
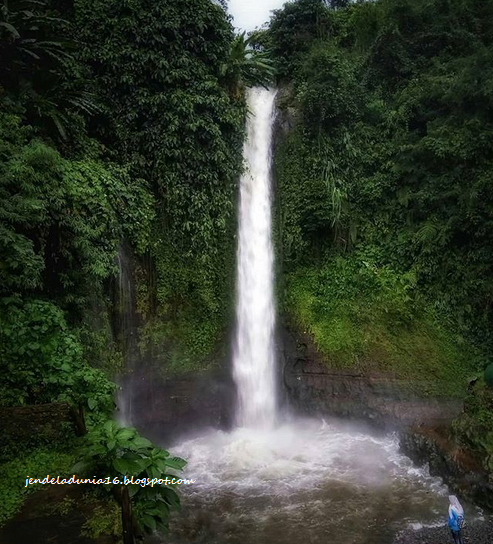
{"points": [[254, 359], [127, 334], [313, 478]]}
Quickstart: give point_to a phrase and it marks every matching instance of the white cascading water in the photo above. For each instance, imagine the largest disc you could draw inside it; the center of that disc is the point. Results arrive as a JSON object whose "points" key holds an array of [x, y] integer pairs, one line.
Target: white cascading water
{"points": [[253, 362]]}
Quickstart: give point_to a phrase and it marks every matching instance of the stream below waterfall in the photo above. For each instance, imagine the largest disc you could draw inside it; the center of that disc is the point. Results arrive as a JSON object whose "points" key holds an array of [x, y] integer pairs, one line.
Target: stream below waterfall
{"points": [[307, 481]]}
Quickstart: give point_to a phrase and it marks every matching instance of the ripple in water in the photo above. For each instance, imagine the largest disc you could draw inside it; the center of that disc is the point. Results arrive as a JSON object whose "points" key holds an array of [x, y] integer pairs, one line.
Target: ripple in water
{"points": [[307, 481]]}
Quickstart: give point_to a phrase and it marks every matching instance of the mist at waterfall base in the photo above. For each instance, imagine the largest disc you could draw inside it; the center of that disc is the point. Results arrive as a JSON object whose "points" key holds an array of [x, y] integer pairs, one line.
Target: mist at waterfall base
{"points": [[278, 479], [304, 481]]}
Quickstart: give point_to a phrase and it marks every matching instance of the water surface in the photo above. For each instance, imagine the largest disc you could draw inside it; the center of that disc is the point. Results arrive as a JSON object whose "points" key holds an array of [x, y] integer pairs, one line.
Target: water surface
{"points": [[305, 482]]}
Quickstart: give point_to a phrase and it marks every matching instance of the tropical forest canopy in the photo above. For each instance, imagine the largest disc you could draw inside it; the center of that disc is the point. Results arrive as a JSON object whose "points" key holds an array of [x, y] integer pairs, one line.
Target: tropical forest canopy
{"points": [[118, 123], [385, 201], [122, 125]]}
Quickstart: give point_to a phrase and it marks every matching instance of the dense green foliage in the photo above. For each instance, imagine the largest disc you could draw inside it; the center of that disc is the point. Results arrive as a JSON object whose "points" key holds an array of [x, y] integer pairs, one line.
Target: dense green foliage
{"points": [[474, 428], [62, 220], [371, 320], [121, 125], [385, 202], [393, 146], [39, 75], [35, 464], [164, 73], [161, 99], [135, 135], [44, 360]]}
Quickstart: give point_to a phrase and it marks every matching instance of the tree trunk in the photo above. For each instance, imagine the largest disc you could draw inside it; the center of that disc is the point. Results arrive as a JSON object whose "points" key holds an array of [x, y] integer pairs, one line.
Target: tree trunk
{"points": [[127, 517], [79, 420]]}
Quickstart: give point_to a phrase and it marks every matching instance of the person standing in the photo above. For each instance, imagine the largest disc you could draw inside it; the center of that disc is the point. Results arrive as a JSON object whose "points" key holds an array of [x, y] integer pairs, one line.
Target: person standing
{"points": [[455, 519]]}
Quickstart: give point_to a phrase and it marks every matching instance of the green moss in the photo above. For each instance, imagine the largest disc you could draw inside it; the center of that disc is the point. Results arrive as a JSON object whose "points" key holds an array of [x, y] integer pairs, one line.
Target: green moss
{"points": [[35, 464], [370, 319], [105, 519], [183, 344], [188, 309], [474, 428], [64, 507]]}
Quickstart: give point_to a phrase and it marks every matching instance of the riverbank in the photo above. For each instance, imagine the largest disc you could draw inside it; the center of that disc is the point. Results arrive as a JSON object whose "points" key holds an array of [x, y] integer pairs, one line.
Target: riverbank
{"points": [[460, 468], [477, 532]]}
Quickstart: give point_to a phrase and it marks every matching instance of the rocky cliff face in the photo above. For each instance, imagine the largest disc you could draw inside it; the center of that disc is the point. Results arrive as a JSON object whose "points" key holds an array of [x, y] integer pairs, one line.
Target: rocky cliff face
{"points": [[459, 468], [166, 409], [312, 387], [423, 422]]}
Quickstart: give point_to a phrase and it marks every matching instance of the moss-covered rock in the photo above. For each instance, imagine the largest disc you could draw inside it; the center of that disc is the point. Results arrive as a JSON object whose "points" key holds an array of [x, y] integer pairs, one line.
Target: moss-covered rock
{"points": [[371, 319]]}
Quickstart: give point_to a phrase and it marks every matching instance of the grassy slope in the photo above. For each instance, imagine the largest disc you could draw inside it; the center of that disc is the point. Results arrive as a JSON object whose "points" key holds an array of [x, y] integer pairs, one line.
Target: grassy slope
{"points": [[368, 319]]}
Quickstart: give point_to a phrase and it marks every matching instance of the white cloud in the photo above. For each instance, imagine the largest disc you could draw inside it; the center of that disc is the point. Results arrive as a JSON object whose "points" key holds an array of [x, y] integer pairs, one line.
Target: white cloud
{"points": [[249, 14]]}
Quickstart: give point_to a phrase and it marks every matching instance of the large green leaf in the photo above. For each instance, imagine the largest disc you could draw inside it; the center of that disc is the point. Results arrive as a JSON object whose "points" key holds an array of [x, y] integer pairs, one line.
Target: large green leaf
{"points": [[125, 434], [127, 466], [141, 443], [176, 463], [149, 522]]}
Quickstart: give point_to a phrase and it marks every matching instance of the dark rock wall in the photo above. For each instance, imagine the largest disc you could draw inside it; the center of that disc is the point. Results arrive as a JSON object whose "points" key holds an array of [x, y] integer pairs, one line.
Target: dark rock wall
{"points": [[387, 402], [39, 423], [167, 409], [460, 469]]}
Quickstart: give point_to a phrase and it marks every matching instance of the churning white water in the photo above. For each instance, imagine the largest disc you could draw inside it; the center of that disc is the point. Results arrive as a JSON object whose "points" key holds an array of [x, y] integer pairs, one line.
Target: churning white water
{"points": [[253, 361], [306, 481]]}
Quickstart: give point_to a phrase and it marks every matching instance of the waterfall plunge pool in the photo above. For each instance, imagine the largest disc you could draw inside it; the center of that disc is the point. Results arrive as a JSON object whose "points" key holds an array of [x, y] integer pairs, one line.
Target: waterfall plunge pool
{"points": [[307, 481]]}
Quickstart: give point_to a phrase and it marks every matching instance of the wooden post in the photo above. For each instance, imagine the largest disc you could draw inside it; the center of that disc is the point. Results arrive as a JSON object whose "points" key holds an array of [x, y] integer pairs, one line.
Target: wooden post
{"points": [[80, 421], [127, 517]]}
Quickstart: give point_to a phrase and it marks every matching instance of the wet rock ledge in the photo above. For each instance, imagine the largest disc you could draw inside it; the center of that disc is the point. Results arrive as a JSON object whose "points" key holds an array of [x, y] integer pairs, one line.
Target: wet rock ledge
{"points": [[381, 399], [459, 468]]}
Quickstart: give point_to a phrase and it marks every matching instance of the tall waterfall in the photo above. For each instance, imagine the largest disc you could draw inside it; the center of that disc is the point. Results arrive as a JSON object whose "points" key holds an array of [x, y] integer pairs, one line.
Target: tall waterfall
{"points": [[127, 328], [315, 478], [253, 363]]}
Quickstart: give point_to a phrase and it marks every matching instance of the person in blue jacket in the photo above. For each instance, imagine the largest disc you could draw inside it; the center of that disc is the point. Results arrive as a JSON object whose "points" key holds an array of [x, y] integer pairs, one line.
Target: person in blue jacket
{"points": [[455, 519]]}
